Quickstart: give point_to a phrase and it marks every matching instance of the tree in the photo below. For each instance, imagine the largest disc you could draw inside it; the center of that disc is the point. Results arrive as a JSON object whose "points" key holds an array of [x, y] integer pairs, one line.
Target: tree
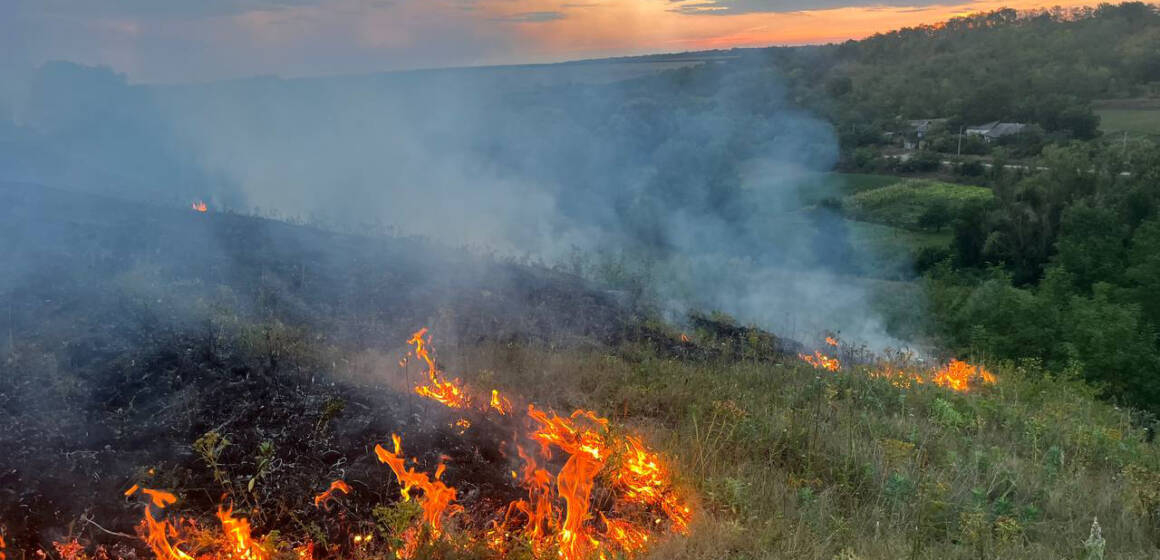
{"points": [[1091, 246], [936, 215]]}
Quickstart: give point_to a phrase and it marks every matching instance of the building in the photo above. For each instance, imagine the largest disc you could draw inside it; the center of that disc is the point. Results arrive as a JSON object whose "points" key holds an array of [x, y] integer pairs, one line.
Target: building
{"points": [[995, 130], [919, 129]]}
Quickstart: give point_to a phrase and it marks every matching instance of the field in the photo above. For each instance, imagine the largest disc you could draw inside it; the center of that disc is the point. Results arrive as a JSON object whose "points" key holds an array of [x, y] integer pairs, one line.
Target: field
{"points": [[913, 204], [1137, 122], [836, 185], [1137, 117]]}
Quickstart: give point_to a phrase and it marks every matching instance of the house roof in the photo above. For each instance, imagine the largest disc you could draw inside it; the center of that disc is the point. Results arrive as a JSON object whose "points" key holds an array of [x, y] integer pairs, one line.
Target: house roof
{"points": [[996, 129]]}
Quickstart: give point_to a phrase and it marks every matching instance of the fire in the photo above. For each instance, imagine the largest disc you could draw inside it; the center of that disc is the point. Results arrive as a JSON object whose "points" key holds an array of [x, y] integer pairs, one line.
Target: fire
{"points": [[241, 545], [437, 496], [684, 337], [447, 392], [159, 535], [557, 513], [200, 206], [586, 456], [958, 375], [3, 547], [821, 361], [499, 403], [584, 492], [645, 481], [323, 500], [165, 539]]}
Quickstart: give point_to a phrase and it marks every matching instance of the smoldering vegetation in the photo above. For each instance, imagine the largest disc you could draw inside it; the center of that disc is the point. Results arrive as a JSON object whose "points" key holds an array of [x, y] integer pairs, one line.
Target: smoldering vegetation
{"points": [[682, 186], [140, 335], [205, 351]]}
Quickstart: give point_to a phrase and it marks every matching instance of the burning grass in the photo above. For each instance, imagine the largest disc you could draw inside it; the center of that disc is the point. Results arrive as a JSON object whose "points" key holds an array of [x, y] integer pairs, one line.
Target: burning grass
{"points": [[902, 370], [786, 461], [589, 492]]}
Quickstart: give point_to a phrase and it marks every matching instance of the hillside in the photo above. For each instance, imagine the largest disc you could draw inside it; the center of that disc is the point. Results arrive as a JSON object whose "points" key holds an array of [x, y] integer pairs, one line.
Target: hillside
{"points": [[708, 305], [168, 364]]}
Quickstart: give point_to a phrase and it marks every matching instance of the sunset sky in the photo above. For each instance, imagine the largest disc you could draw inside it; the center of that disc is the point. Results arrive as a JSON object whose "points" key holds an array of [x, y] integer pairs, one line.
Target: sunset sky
{"points": [[200, 40]]}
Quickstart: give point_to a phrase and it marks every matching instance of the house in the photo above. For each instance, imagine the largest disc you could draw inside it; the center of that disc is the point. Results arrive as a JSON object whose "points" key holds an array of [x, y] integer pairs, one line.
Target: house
{"points": [[994, 130], [919, 129]]}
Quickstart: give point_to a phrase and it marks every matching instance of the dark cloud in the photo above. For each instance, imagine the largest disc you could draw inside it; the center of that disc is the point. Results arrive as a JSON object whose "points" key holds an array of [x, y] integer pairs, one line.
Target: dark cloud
{"points": [[531, 17], [731, 7]]}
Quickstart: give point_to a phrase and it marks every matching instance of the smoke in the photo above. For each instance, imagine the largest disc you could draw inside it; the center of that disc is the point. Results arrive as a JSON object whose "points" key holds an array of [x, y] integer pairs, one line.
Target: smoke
{"points": [[686, 182]]}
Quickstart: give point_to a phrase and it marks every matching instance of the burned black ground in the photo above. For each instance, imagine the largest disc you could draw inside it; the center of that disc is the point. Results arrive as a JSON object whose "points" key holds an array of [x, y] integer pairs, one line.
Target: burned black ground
{"points": [[139, 339]]}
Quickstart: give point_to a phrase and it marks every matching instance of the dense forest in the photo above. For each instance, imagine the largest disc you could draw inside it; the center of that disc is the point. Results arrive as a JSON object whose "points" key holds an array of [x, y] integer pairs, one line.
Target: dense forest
{"points": [[1039, 67]]}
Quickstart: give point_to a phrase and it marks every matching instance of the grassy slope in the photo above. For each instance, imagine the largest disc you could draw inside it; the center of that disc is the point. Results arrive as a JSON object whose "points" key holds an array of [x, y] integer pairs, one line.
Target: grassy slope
{"points": [[792, 463], [785, 461]]}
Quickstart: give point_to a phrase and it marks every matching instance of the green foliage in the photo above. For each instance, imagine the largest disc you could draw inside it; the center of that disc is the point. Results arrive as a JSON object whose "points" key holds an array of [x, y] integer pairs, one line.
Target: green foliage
{"points": [[1042, 67], [394, 520], [914, 204], [944, 414], [210, 447]]}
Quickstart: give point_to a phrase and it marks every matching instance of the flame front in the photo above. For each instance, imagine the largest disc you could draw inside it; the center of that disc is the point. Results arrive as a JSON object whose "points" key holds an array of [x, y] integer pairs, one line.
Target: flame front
{"points": [[241, 544], [200, 206], [821, 361], [565, 459], [957, 375], [447, 392], [437, 496], [558, 511]]}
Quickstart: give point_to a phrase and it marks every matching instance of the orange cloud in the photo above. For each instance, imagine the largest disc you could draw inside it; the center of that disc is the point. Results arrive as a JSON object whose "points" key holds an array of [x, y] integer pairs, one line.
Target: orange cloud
{"points": [[594, 28]]}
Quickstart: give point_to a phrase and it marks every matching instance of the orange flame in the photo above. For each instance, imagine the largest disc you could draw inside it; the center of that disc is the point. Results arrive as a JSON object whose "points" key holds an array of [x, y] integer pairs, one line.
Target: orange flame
{"points": [[164, 538], [586, 456], [832, 341], [437, 496], [200, 206], [958, 375], [499, 403], [645, 480], [159, 534], [447, 392], [560, 514], [3, 547], [237, 530], [323, 500], [821, 361]]}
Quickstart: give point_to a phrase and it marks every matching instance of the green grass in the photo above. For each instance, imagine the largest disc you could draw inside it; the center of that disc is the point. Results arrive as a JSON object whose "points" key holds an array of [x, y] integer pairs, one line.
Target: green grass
{"points": [[903, 204], [1140, 122], [789, 462], [831, 185]]}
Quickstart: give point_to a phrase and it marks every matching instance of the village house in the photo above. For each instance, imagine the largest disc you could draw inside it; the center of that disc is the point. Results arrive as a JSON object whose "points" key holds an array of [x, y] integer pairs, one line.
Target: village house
{"points": [[994, 130], [919, 130]]}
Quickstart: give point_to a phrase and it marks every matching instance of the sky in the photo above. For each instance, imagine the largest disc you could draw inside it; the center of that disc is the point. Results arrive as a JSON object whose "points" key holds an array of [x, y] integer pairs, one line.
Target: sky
{"points": [[183, 41]]}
